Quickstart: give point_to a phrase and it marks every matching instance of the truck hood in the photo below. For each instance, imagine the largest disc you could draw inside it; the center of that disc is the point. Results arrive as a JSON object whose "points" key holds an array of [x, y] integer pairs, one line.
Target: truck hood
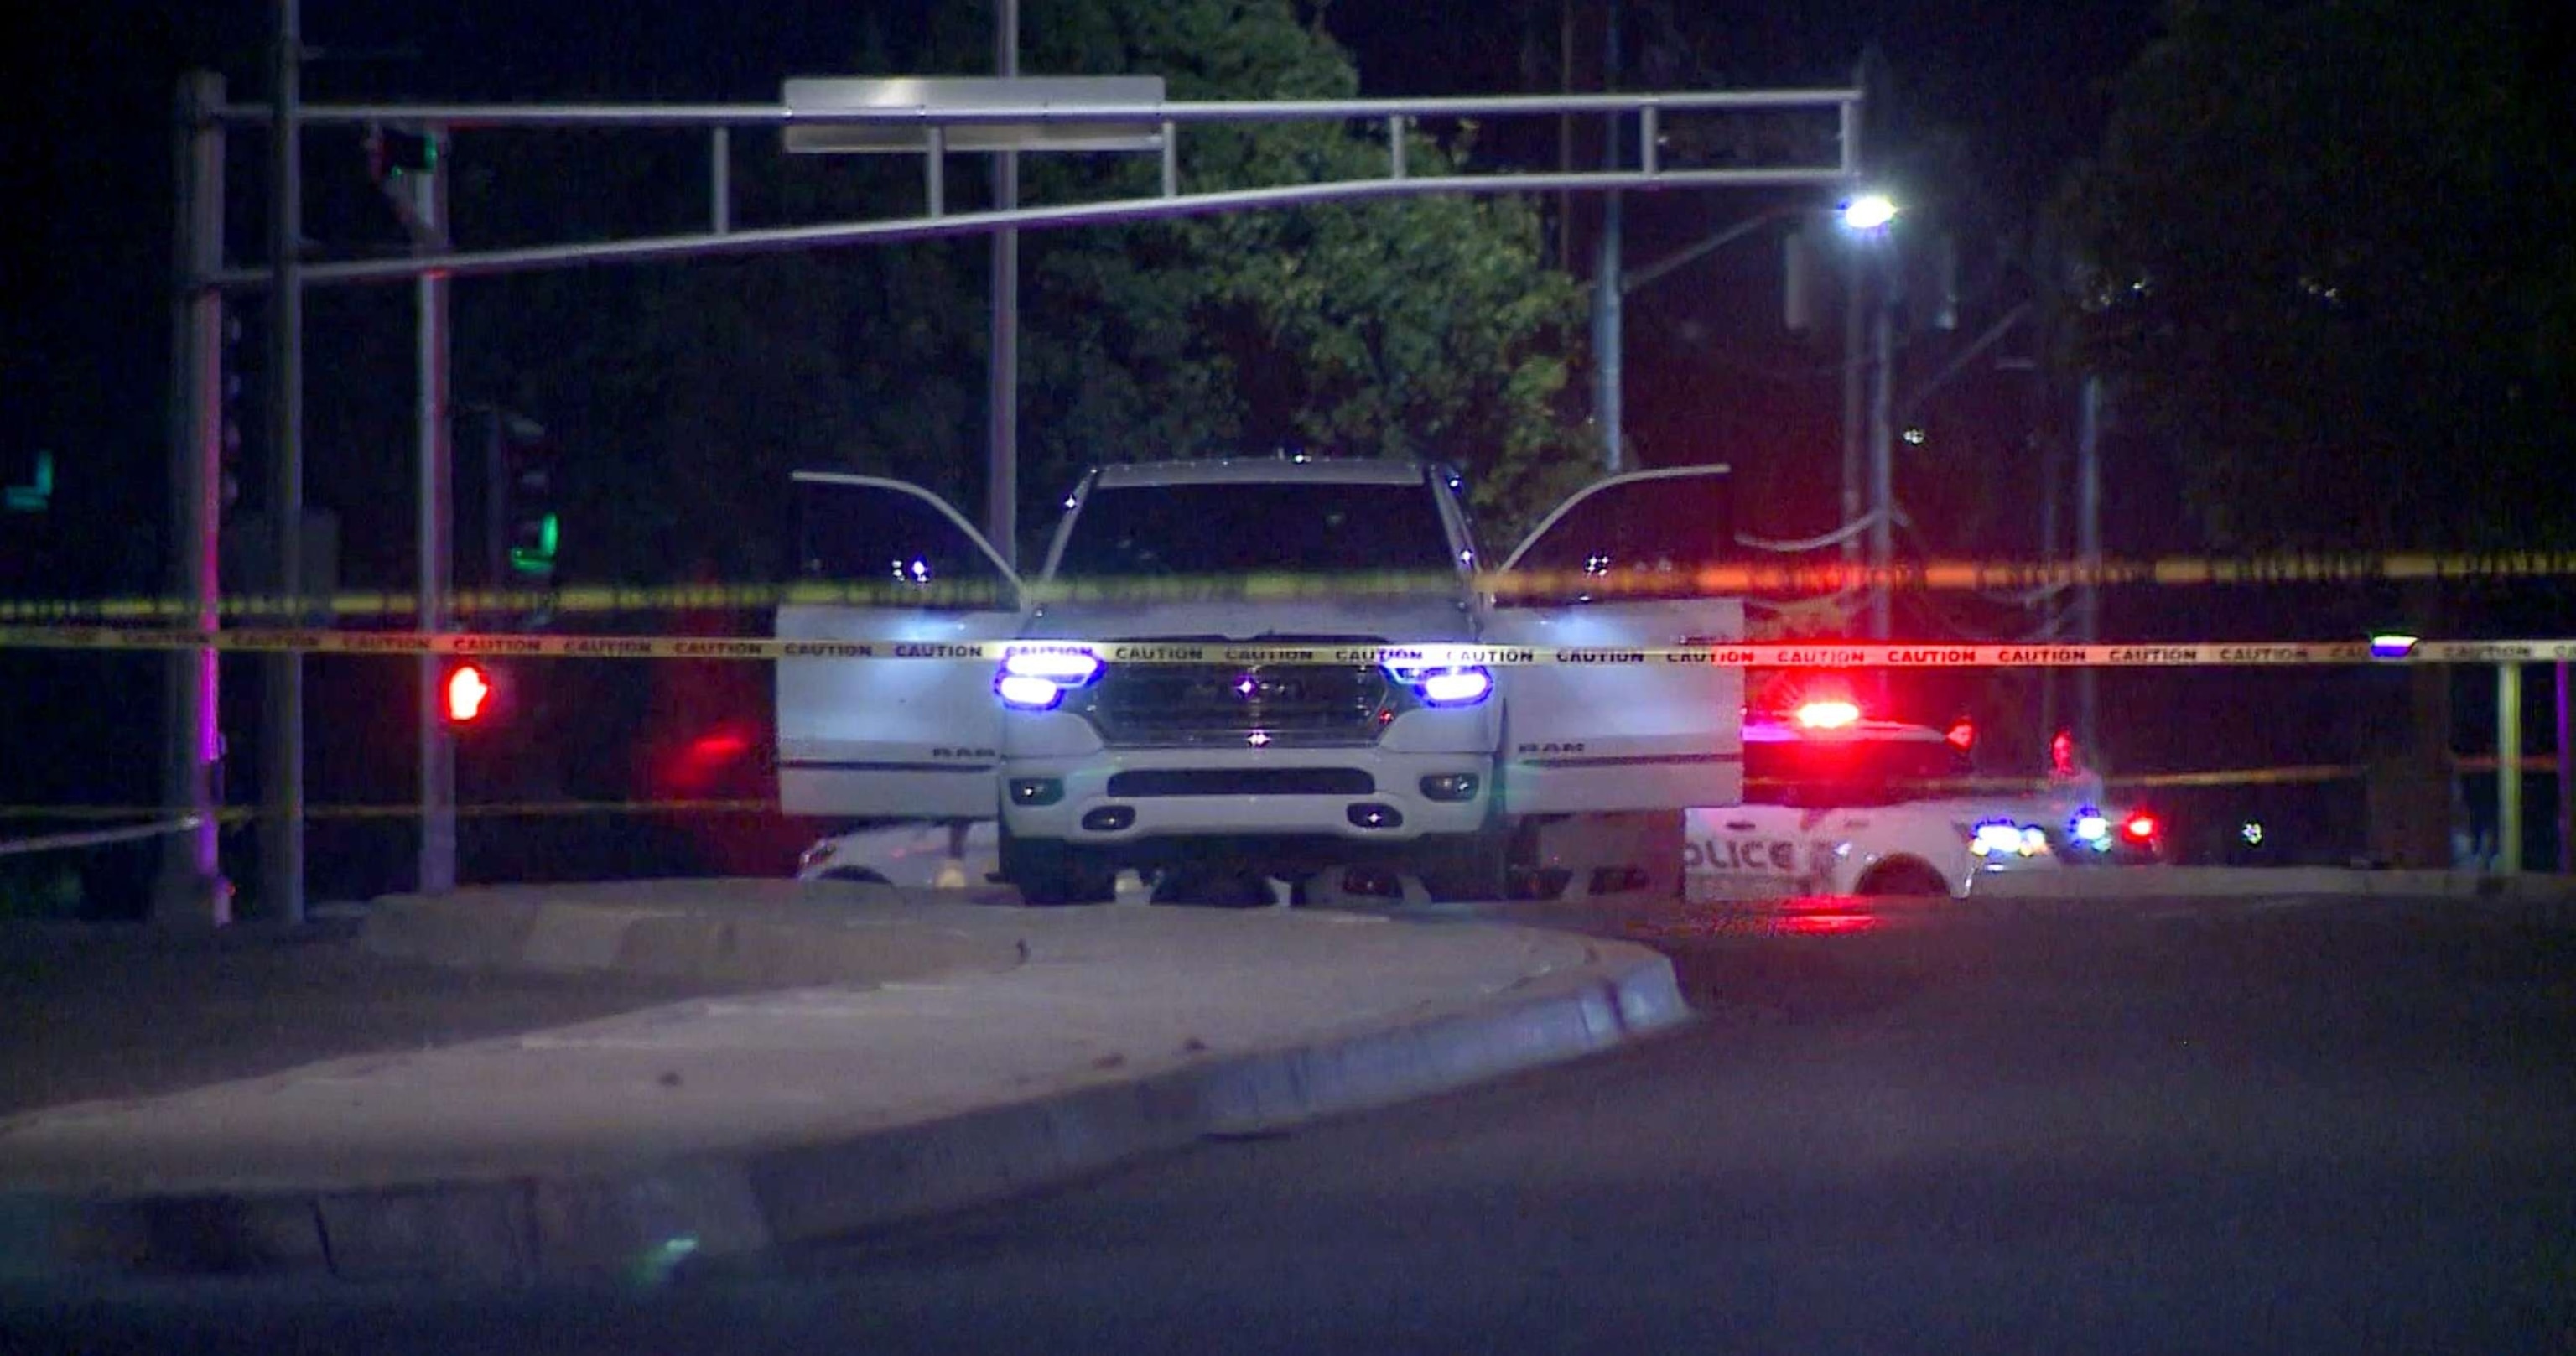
{"points": [[1394, 621]]}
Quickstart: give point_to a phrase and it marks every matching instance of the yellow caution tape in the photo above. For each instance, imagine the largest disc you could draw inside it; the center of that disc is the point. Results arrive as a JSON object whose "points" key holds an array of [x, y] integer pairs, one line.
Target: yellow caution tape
{"points": [[1757, 654], [1741, 579]]}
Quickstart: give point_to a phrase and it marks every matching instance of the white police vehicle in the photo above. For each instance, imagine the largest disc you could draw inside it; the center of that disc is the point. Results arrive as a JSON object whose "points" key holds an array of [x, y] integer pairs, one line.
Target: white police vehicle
{"points": [[1837, 803]]}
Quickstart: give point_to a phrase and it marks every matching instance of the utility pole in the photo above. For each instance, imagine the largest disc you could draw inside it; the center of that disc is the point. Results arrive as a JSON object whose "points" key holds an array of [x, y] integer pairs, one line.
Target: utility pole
{"points": [[1882, 457], [2508, 858], [2566, 782], [1855, 345], [1855, 331], [1003, 377], [2088, 550], [1607, 330], [281, 826], [192, 891], [437, 528]]}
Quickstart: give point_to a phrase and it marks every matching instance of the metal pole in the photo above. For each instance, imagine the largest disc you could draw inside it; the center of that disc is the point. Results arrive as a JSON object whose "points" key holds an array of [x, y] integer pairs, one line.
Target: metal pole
{"points": [[496, 499], [1608, 328], [1882, 458], [2508, 858], [281, 836], [1003, 379], [2566, 781], [191, 890], [437, 530], [1855, 328], [2088, 548]]}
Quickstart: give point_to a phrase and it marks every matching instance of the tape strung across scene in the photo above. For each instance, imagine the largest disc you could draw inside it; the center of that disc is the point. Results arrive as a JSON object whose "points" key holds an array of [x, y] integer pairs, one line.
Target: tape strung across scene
{"points": [[1734, 579], [2308, 774], [1757, 654]]}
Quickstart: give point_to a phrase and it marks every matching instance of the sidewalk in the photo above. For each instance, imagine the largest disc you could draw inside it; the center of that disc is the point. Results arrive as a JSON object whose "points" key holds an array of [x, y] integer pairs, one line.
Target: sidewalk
{"points": [[876, 1059]]}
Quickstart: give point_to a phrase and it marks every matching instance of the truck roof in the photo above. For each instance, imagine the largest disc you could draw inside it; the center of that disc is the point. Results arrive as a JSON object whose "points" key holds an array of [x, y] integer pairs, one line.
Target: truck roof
{"points": [[1216, 470]]}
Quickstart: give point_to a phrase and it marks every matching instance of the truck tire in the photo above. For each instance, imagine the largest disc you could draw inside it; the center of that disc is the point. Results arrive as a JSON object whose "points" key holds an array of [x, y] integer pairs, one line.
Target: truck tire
{"points": [[1049, 872], [1466, 870]]}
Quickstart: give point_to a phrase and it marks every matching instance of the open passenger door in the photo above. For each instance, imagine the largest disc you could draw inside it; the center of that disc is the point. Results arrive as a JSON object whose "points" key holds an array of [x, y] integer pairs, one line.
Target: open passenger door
{"points": [[1613, 566], [896, 735]]}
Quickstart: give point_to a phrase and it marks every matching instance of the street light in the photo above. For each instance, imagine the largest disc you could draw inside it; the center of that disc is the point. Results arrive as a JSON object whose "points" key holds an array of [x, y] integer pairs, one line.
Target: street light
{"points": [[1869, 212]]}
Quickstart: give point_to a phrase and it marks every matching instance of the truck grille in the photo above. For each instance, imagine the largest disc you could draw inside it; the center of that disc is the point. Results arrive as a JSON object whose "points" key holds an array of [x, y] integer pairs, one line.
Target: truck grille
{"points": [[1269, 706]]}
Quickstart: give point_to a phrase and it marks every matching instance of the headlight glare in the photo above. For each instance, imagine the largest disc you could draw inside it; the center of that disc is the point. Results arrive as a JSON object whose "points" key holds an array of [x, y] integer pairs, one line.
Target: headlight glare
{"points": [[1072, 668], [1023, 692]]}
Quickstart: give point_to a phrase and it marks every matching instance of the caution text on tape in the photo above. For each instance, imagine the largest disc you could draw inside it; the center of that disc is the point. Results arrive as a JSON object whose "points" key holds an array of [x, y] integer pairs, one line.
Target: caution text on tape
{"points": [[1732, 579], [1764, 654]]}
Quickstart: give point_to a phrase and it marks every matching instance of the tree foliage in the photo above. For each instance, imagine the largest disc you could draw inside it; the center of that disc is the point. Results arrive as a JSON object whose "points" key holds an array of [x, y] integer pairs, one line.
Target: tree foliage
{"points": [[2324, 251], [1427, 327]]}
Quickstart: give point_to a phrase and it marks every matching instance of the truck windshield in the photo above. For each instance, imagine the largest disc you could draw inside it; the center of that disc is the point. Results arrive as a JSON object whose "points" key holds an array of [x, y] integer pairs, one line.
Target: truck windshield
{"points": [[1246, 527]]}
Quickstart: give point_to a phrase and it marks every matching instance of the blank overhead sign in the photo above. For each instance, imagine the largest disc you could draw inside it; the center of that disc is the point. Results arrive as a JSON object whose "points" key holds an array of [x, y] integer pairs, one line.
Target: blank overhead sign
{"points": [[1062, 97]]}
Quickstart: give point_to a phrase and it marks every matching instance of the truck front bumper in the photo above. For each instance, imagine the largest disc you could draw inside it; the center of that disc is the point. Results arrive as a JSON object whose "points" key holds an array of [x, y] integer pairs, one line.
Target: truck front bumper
{"points": [[1356, 796]]}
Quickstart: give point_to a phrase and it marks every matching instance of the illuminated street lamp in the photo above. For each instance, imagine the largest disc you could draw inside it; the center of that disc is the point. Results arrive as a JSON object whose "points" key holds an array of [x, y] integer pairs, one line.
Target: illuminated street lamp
{"points": [[1869, 212]]}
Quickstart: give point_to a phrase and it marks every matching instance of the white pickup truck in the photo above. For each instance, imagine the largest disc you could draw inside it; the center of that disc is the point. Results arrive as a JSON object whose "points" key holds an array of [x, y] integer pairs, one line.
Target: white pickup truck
{"points": [[1107, 759]]}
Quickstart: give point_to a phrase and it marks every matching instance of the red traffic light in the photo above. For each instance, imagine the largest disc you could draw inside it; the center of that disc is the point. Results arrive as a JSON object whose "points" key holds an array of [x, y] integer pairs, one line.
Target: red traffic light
{"points": [[467, 693]]}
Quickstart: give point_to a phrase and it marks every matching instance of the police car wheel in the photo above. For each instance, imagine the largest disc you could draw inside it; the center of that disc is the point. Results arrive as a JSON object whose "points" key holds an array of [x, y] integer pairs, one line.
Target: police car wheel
{"points": [[1904, 878]]}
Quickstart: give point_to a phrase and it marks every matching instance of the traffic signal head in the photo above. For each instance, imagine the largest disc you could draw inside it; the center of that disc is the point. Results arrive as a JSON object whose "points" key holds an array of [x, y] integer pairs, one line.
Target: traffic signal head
{"points": [[393, 150], [465, 694], [527, 487]]}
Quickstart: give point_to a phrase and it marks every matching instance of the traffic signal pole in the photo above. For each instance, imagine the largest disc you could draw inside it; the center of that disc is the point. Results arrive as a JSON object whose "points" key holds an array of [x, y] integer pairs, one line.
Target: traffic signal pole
{"points": [[1002, 379], [437, 529], [281, 823], [191, 891]]}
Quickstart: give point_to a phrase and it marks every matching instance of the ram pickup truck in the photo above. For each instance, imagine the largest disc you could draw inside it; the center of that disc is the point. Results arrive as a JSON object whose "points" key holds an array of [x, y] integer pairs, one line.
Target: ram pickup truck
{"points": [[1096, 753]]}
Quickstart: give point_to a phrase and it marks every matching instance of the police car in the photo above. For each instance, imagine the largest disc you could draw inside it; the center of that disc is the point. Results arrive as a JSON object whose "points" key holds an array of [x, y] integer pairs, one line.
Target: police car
{"points": [[1840, 803]]}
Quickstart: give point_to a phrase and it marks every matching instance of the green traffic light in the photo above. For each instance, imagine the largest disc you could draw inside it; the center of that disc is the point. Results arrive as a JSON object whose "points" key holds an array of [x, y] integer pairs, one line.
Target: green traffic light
{"points": [[540, 558], [38, 492]]}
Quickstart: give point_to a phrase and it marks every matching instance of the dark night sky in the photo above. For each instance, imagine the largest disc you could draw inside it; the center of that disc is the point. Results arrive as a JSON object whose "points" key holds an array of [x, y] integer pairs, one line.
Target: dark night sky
{"points": [[88, 158]]}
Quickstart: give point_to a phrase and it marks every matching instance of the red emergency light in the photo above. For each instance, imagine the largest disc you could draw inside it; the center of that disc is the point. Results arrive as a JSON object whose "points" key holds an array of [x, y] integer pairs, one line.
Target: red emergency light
{"points": [[2139, 827], [1829, 715]]}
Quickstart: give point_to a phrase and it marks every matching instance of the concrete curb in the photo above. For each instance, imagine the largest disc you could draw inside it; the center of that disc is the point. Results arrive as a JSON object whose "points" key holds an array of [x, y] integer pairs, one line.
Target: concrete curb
{"points": [[782, 940], [645, 1222]]}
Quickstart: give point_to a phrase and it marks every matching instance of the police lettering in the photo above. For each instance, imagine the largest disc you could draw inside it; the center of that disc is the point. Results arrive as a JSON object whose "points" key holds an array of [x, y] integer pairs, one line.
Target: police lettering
{"points": [[1739, 854]]}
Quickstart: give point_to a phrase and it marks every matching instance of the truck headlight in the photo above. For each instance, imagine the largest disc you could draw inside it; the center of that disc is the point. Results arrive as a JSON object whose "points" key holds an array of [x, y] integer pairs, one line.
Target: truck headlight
{"points": [[1036, 680], [1446, 685]]}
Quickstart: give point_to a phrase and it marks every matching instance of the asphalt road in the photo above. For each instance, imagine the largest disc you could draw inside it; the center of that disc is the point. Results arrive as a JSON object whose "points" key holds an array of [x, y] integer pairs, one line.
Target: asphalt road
{"points": [[2341, 1129]]}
